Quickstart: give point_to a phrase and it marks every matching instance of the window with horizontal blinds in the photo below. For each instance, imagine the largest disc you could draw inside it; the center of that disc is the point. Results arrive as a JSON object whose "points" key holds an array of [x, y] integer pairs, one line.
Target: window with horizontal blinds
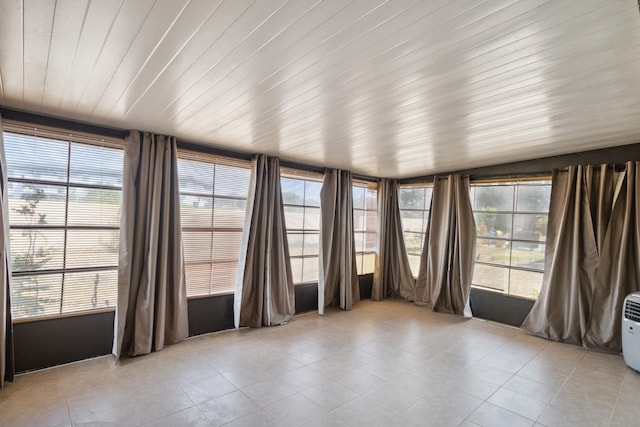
{"points": [[365, 214], [213, 202], [301, 200], [415, 203], [65, 195]]}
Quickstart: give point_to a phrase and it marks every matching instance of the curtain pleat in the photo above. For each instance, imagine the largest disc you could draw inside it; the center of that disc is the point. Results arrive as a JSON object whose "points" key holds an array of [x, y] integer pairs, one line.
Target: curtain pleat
{"points": [[264, 288], [7, 368], [152, 302], [447, 261], [392, 274], [579, 212], [338, 284], [619, 269]]}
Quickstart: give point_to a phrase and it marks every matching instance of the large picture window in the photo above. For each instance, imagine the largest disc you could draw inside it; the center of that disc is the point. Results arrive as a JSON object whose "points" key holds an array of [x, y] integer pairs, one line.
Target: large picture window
{"points": [[511, 221], [415, 202], [301, 200], [365, 208], [65, 196], [213, 201]]}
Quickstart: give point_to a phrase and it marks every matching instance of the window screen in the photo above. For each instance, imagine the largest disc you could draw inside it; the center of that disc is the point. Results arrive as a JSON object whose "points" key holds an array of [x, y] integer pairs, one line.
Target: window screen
{"points": [[301, 200], [365, 207], [415, 202], [65, 195], [213, 201], [511, 222]]}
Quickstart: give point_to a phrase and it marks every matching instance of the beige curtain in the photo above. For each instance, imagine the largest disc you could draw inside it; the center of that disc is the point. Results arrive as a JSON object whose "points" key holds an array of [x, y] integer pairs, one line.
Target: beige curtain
{"points": [[338, 283], [619, 269], [446, 265], [264, 287], [6, 325], [581, 199], [152, 302], [392, 274]]}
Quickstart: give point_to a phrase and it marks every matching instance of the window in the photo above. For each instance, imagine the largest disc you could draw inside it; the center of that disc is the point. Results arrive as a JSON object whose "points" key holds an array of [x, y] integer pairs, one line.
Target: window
{"points": [[365, 214], [301, 200], [415, 202], [511, 221], [65, 194], [213, 201]]}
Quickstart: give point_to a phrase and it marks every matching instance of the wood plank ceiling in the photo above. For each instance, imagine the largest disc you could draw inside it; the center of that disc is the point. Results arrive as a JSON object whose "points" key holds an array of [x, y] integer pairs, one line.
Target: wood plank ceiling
{"points": [[395, 88]]}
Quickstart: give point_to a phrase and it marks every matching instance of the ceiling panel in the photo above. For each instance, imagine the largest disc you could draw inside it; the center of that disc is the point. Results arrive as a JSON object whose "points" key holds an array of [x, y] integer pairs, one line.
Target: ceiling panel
{"points": [[396, 88]]}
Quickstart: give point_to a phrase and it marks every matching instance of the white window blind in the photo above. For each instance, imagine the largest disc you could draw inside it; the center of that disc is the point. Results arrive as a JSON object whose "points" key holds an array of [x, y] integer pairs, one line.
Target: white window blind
{"points": [[213, 201], [301, 200], [415, 202], [65, 193], [365, 214]]}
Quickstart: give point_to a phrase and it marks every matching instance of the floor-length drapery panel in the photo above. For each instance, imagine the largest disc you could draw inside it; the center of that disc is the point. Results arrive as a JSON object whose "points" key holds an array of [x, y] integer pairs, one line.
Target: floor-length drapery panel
{"points": [[447, 261], [264, 288], [619, 269], [575, 226], [338, 284], [6, 325], [152, 302], [392, 274]]}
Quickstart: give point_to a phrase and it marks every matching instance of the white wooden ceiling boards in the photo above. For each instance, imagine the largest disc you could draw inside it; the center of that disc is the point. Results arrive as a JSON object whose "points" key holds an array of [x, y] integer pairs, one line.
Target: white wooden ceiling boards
{"points": [[396, 88]]}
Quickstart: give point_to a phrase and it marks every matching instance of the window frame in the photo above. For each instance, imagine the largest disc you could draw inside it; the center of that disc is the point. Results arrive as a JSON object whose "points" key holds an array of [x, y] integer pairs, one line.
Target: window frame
{"points": [[368, 186]]}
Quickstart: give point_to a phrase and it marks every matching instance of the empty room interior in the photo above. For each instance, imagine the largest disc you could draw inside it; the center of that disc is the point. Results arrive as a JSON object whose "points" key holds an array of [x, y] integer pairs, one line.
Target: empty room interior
{"points": [[320, 213]]}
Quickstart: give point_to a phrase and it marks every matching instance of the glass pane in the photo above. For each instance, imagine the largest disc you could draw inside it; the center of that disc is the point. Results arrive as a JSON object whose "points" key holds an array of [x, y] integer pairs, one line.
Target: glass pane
{"points": [[33, 249], [370, 241], [37, 295], [196, 211], [359, 220], [368, 263], [223, 277], [89, 290], [198, 279], [358, 237], [528, 255], [232, 181], [412, 198], [493, 225], [427, 198], [533, 198], [195, 177], [530, 227], [92, 248], [292, 191], [312, 193], [30, 157], [371, 221], [229, 213], [294, 217], [311, 244], [413, 221], [413, 242], [493, 251], [92, 206], [310, 271], [358, 197], [493, 198], [491, 277], [226, 245], [197, 245], [525, 283], [36, 204], [372, 200], [296, 243], [414, 262], [296, 269], [91, 164], [312, 219]]}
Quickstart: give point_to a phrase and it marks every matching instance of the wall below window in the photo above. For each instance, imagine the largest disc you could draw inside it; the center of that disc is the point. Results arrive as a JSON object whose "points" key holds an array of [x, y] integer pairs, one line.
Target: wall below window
{"points": [[499, 307], [49, 342]]}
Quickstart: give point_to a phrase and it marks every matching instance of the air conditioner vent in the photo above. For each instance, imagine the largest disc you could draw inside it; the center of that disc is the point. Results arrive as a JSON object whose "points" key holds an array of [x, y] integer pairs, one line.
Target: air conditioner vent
{"points": [[632, 310]]}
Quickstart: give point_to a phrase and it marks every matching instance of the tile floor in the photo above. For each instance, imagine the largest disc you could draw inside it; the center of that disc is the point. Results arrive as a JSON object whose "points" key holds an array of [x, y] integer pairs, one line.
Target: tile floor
{"points": [[382, 364]]}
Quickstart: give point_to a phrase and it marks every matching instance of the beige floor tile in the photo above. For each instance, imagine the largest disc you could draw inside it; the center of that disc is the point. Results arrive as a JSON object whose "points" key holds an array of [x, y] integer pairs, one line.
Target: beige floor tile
{"points": [[568, 409], [513, 401], [269, 391], [191, 417], [361, 412], [358, 381], [208, 388], [489, 415], [391, 399], [429, 413], [539, 391], [303, 378], [295, 410], [227, 408], [258, 418], [329, 395]]}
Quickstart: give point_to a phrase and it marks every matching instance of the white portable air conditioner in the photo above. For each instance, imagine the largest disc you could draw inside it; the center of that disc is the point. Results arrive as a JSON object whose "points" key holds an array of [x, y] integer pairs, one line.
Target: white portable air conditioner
{"points": [[631, 330]]}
